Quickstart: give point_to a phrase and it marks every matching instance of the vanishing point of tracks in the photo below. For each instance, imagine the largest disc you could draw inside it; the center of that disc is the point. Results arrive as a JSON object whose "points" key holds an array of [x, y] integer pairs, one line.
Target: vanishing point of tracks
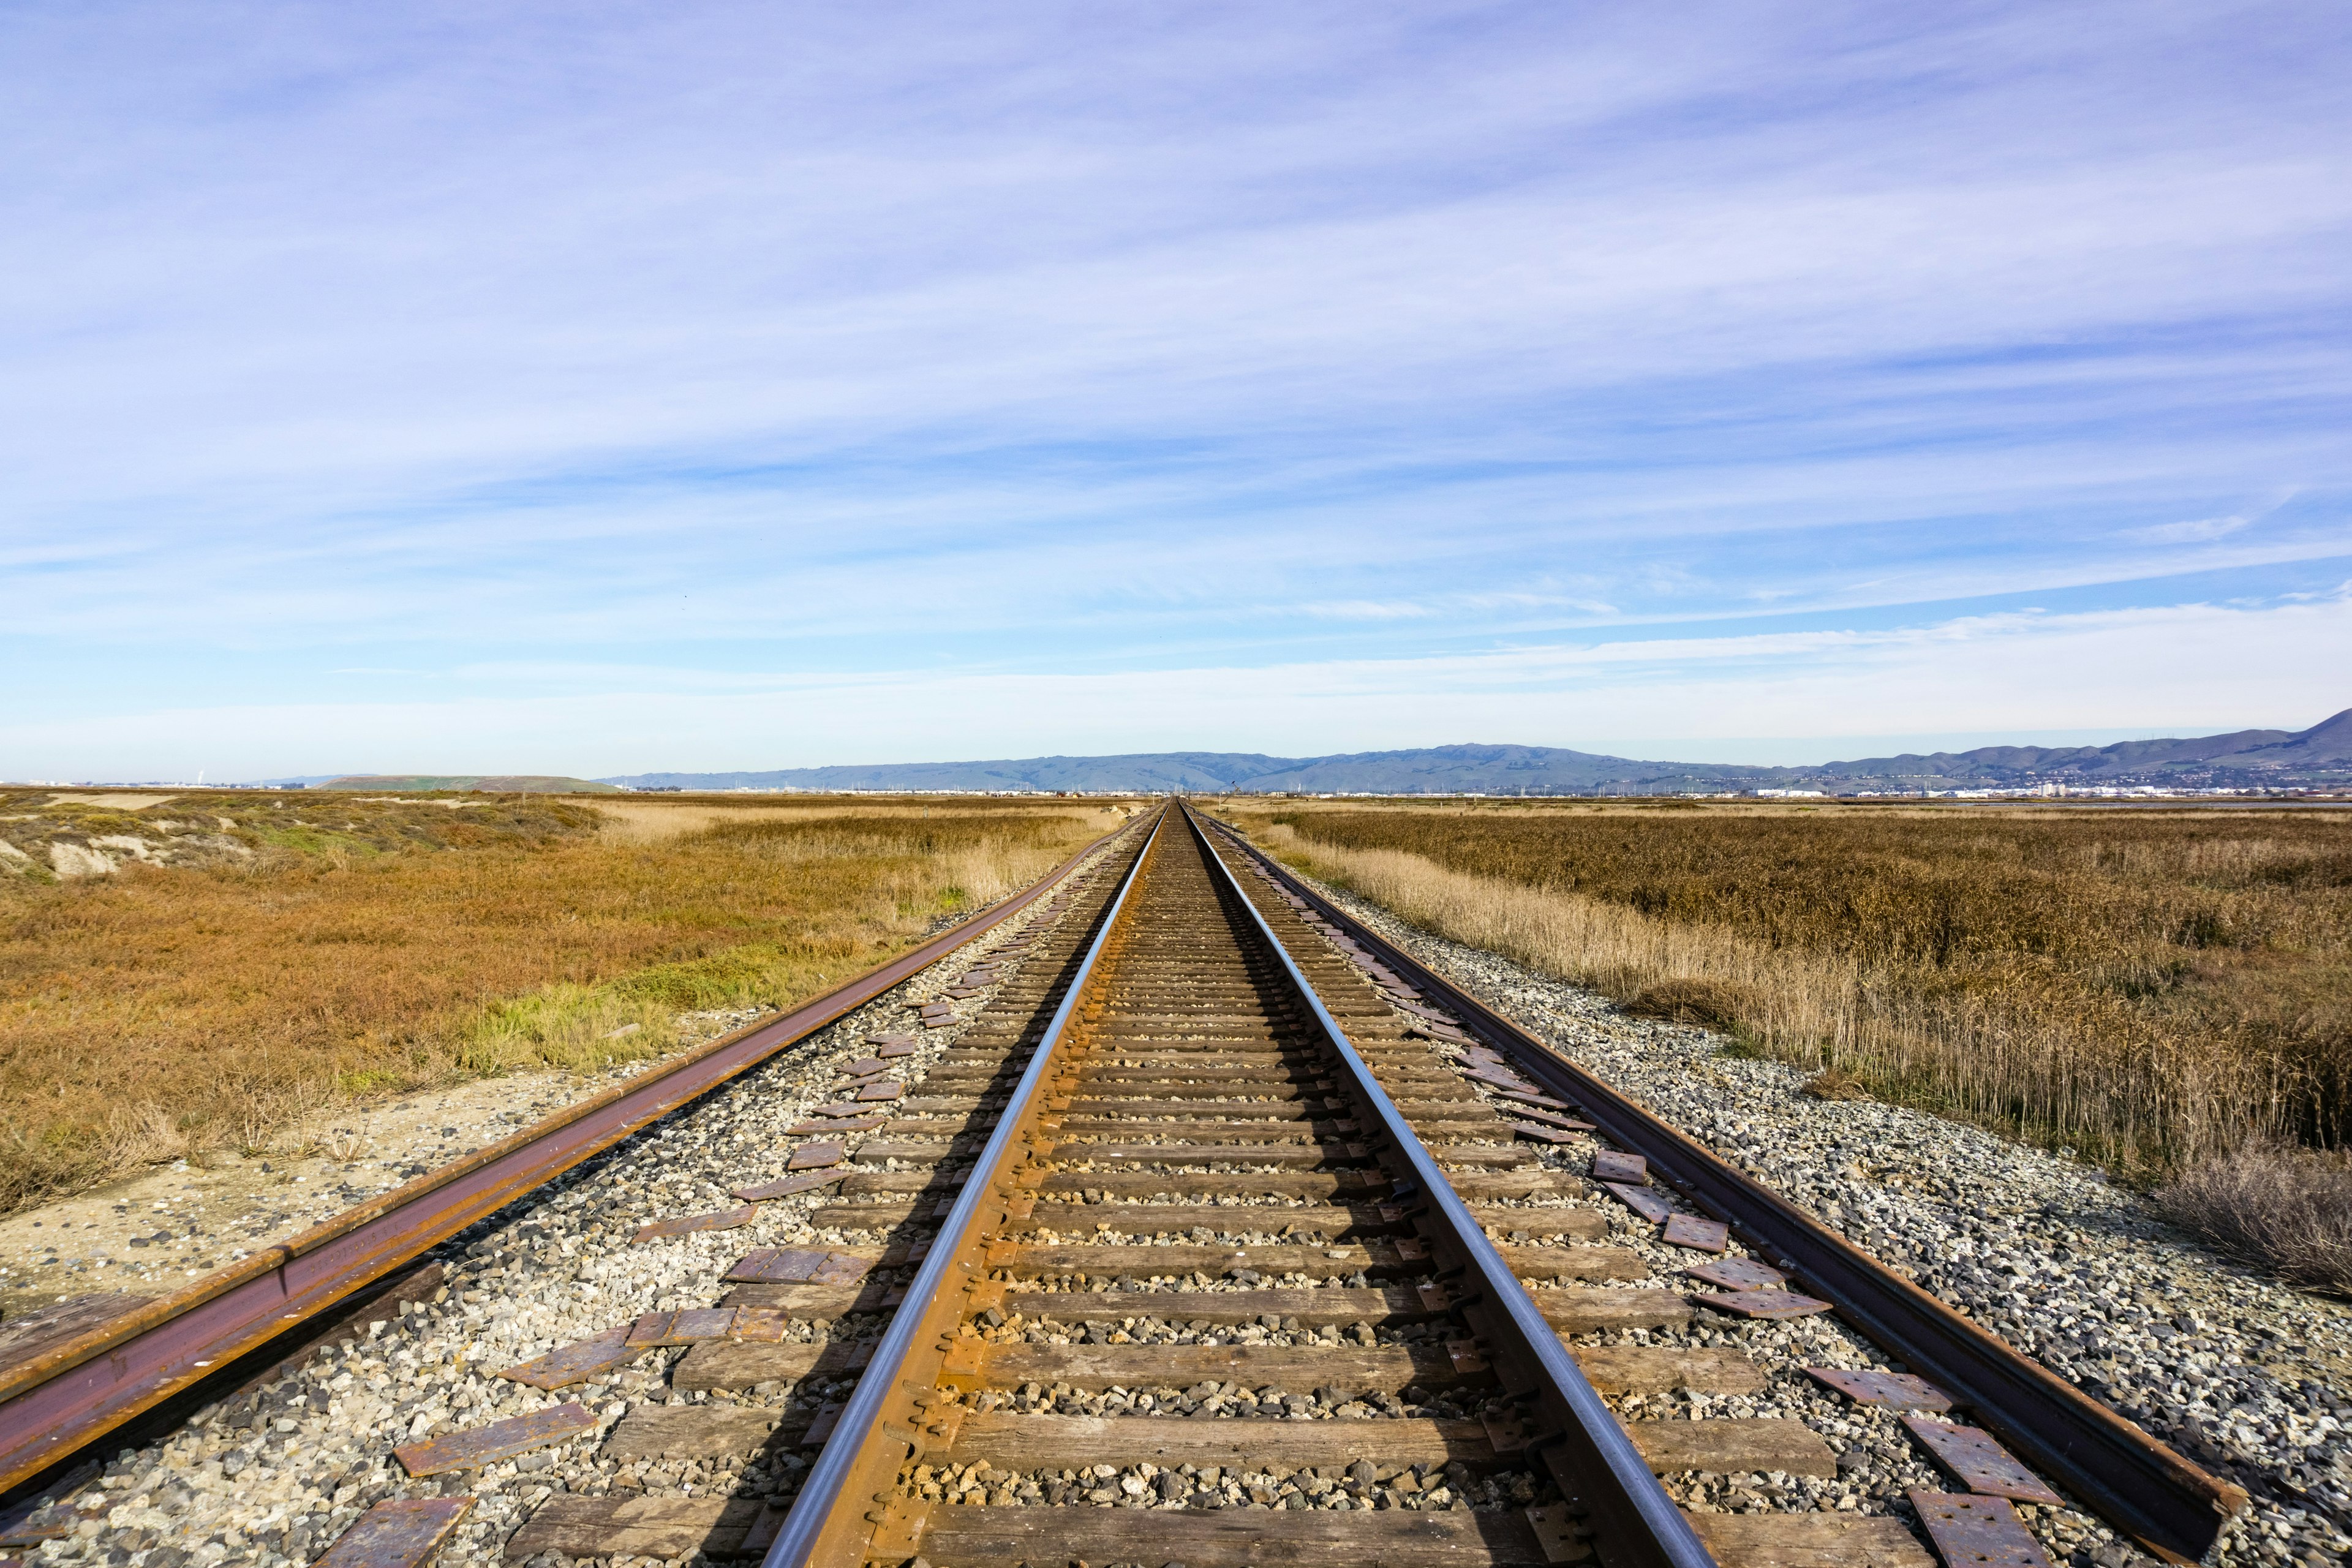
{"points": [[1184, 1254]]}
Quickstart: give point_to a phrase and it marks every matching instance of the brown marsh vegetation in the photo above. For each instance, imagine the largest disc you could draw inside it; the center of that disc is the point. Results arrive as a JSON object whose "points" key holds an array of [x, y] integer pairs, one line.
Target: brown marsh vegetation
{"points": [[2162, 990], [258, 957]]}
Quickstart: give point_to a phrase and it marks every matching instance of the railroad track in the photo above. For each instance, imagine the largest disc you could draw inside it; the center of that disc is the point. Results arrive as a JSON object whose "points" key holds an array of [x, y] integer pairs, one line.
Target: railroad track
{"points": [[1223, 1234]]}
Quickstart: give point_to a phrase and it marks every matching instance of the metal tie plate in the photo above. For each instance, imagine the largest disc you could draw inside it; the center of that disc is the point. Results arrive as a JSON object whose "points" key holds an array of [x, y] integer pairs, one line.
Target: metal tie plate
{"points": [[1608, 1165], [1689, 1230], [1739, 1274], [1886, 1390], [1763, 1303], [791, 1264], [1978, 1531], [1641, 1200], [1976, 1458]]}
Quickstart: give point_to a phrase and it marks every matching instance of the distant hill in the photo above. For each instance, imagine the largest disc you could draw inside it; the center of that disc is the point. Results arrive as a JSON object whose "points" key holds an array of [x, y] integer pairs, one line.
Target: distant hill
{"points": [[487, 783], [2319, 756]]}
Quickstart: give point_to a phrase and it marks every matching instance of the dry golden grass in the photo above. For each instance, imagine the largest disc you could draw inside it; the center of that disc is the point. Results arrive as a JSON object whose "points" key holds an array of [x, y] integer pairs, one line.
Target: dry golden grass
{"points": [[2149, 988], [306, 947]]}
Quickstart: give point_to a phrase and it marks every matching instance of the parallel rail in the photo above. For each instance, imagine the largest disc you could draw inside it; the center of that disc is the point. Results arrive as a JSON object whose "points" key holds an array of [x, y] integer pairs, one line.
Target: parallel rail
{"points": [[2142, 1487], [835, 1522], [1190, 1039]]}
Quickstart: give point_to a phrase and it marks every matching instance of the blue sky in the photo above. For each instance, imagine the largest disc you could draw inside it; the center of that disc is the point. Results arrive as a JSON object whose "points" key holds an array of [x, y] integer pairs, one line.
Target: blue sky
{"points": [[717, 386]]}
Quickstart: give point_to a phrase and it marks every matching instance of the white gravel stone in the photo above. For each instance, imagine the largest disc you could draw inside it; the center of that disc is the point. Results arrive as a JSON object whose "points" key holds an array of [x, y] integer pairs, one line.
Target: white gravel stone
{"points": [[272, 1476], [2249, 1377]]}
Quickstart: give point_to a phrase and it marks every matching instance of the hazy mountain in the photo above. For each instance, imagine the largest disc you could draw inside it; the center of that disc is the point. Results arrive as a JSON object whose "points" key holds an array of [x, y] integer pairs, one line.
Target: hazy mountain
{"points": [[1153, 771], [2321, 754], [492, 783]]}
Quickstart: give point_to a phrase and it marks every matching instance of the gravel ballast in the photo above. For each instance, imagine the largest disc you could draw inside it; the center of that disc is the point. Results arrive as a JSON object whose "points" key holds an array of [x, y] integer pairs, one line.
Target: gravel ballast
{"points": [[2248, 1377], [272, 1476]]}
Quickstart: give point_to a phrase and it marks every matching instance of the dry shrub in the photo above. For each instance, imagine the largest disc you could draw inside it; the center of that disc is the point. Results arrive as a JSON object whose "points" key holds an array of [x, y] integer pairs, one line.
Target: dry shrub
{"points": [[1709, 1003], [2279, 1207], [1833, 1083], [368, 947]]}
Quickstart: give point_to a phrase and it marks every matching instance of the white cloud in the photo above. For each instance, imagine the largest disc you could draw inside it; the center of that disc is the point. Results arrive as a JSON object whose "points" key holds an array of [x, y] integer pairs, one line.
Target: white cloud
{"points": [[1296, 338], [2193, 533]]}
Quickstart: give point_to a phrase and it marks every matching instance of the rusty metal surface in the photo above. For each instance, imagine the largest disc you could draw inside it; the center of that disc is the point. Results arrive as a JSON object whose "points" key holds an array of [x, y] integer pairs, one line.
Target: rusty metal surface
{"points": [[1773, 1304], [576, 1363], [681, 1327], [1977, 1459], [1702, 1235], [1739, 1274], [1581, 1441], [760, 1324], [826, 1521], [1608, 1165], [1886, 1390], [470, 1450], [784, 1265], [1652, 1206], [32, 1332], [1978, 1531], [400, 1532], [2150, 1493], [70, 1394], [816, 1156]]}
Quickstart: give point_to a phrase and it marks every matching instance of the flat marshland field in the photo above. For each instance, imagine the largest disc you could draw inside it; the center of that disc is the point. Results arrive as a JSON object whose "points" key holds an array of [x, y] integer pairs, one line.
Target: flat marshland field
{"points": [[2167, 991], [200, 972]]}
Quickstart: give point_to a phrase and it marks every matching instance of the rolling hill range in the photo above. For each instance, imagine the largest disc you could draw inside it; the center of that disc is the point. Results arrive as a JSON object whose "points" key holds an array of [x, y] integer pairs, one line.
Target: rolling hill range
{"points": [[2245, 758], [492, 783]]}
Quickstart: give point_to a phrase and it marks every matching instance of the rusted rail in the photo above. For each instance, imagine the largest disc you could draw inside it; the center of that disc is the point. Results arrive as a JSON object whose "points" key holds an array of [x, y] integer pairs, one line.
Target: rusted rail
{"points": [[71, 1394], [1588, 1453], [858, 1506], [829, 1521], [1191, 1074], [2142, 1487]]}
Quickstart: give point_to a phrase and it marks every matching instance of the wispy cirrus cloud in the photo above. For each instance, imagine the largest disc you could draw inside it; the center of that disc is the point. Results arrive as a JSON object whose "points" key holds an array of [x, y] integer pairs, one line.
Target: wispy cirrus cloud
{"points": [[1091, 345], [2195, 531]]}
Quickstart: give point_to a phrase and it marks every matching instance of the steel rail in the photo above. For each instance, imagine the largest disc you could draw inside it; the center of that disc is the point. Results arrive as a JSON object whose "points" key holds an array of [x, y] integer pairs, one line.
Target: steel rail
{"points": [[2139, 1485], [823, 1525], [57, 1401], [1588, 1451]]}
